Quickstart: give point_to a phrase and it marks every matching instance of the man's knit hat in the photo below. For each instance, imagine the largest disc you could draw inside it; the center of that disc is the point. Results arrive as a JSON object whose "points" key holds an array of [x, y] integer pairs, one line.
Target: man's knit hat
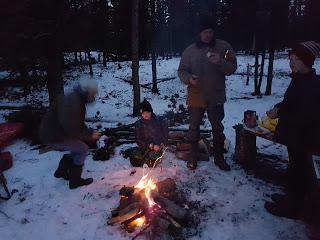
{"points": [[204, 23], [306, 51], [145, 106]]}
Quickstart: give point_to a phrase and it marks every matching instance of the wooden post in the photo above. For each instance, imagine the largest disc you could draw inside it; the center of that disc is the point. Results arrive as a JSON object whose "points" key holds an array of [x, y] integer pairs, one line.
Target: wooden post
{"points": [[245, 148]]}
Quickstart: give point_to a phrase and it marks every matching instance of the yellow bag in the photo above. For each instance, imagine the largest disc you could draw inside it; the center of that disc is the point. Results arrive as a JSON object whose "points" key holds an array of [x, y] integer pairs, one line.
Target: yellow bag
{"points": [[269, 123]]}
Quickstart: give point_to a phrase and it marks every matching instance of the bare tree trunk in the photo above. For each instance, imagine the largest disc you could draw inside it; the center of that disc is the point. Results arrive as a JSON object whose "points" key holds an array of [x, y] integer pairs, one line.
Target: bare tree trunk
{"points": [[90, 63], [154, 73], [54, 75], [135, 57], [153, 54], [248, 74], [103, 16], [75, 57], [55, 57], [80, 56], [261, 70], [25, 79], [104, 58], [270, 72], [256, 73]]}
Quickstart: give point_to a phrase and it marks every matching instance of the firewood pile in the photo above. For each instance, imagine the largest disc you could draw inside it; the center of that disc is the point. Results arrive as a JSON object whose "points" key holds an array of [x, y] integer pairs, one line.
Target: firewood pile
{"points": [[125, 134], [152, 210]]}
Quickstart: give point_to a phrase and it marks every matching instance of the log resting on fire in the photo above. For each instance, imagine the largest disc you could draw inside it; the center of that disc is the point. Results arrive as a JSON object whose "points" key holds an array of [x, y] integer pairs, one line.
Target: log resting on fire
{"points": [[127, 213], [167, 185], [126, 191], [170, 207], [137, 196]]}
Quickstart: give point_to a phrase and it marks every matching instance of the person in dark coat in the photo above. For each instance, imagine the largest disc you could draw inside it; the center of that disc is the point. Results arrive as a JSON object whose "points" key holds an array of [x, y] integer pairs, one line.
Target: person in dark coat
{"points": [[151, 131], [151, 135], [203, 67], [298, 128], [64, 129]]}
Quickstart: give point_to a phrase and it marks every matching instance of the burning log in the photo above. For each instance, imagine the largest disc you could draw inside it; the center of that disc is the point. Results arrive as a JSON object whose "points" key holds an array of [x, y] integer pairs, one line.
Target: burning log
{"points": [[150, 208], [131, 220], [165, 186], [127, 213], [169, 206], [126, 191], [137, 196]]}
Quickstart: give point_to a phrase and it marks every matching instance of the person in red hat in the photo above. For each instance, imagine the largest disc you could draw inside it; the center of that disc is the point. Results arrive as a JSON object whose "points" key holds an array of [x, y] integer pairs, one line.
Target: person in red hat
{"points": [[298, 128]]}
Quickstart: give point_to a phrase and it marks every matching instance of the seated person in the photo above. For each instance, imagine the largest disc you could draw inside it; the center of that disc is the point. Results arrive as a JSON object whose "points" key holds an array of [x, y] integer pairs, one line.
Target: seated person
{"points": [[151, 135], [298, 128]]}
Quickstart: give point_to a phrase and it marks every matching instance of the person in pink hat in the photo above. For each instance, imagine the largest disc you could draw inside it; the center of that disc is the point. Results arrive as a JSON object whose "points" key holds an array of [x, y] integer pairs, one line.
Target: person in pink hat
{"points": [[298, 129]]}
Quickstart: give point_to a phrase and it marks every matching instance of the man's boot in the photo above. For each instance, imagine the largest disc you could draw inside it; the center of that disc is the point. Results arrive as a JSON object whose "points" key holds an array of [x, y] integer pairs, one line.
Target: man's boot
{"points": [[288, 210], [193, 156], [281, 199], [75, 177], [219, 157], [64, 167]]}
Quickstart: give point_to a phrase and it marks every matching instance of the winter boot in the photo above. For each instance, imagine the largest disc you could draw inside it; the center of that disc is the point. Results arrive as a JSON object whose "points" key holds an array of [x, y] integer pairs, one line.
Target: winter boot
{"points": [[283, 210], [193, 156], [219, 158], [75, 177], [281, 199], [64, 167]]}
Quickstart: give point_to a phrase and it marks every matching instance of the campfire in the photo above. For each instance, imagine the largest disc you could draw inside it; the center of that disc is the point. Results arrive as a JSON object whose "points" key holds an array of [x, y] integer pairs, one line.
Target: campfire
{"points": [[151, 208]]}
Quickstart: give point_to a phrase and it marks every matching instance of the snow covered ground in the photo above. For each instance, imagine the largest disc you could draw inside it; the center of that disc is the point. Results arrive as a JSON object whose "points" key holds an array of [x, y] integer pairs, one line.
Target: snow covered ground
{"points": [[230, 205]]}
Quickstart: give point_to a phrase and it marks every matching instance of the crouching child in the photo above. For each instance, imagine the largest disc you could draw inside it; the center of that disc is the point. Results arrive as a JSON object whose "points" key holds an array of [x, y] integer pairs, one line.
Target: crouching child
{"points": [[151, 134]]}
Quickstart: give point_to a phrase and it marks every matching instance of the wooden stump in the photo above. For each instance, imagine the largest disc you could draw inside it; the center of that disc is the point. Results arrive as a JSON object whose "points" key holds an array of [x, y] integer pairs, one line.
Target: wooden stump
{"points": [[245, 148]]}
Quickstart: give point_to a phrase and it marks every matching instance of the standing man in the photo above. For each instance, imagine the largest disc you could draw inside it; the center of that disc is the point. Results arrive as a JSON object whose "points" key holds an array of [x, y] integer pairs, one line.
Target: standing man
{"points": [[64, 129], [203, 67]]}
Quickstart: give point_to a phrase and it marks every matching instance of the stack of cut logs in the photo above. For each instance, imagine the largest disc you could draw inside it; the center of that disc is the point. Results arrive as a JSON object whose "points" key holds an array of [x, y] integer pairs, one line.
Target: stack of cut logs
{"points": [[125, 134], [165, 217]]}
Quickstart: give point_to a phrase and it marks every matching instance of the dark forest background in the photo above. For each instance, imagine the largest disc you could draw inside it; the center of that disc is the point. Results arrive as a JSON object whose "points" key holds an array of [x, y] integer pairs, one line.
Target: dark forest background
{"points": [[35, 34]]}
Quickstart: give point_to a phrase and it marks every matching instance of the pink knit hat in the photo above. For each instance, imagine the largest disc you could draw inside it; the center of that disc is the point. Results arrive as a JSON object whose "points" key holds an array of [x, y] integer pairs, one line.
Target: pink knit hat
{"points": [[306, 51]]}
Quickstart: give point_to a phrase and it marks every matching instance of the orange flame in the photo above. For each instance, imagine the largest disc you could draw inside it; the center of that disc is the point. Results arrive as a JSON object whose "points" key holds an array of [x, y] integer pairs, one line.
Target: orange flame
{"points": [[139, 222], [148, 185]]}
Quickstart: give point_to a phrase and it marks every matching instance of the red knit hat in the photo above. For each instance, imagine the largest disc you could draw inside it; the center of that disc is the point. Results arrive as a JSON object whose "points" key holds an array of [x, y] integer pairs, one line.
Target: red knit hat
{"points": [[306, 51]]}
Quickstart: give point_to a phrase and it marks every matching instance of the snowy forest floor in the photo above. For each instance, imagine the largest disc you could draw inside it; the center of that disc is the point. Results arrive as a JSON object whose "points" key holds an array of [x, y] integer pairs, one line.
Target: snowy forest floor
{"points": [[229, 205]]}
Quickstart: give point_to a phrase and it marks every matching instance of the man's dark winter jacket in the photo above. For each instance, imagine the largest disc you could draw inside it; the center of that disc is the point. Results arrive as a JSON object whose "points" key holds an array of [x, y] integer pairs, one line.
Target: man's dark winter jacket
{"points": [[299, 113], [65, 120], [153, 131]]}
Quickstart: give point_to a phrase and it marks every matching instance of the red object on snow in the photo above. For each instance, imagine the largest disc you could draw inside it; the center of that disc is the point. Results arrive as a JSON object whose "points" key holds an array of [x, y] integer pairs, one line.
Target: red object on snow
{"points": [[8, 132], [5, 161]]}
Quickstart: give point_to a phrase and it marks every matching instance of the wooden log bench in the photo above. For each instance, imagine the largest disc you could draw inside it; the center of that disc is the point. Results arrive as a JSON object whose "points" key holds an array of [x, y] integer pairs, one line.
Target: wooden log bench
{"points": [[246, 151]]}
